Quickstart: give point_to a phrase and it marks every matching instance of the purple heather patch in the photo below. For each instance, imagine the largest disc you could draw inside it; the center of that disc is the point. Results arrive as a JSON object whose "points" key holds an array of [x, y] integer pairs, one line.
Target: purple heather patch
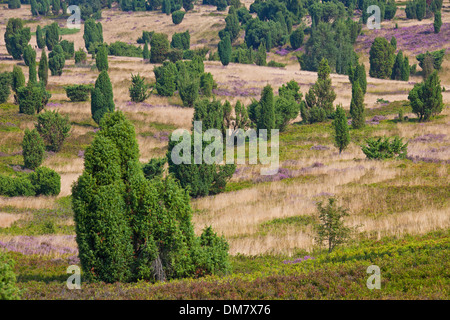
{"points": [[298, 260], [29, 245]]}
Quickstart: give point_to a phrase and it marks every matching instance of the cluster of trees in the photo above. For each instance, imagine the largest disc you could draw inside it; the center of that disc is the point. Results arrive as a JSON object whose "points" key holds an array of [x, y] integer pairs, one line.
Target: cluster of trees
{"points": [[188, 77], [131, 228], [48, 7], [422, 9], [384, 64]]}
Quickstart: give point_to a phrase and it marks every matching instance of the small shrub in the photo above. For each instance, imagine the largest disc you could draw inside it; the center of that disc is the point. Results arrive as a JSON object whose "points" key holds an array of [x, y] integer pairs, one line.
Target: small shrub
{"points": [[138, 89], [16, 187], [275, 64], [383, 148], [53, 128], [80, 56], [46, 181], [78, 92]]}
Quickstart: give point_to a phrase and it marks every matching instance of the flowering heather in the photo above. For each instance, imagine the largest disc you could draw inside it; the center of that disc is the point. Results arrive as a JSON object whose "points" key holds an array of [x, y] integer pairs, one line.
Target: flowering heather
{"points": [[416, 159], [29, 245], [319, 147], [282, 52], [53, 104], [81, 153], [298, 260], [416, 39], [429, 137]]}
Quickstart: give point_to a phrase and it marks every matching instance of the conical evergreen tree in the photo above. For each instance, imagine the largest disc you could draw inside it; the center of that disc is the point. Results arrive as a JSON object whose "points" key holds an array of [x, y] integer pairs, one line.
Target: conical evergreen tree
{"points": [[146, 52], [43, 68], [101, 59], [224, 49], [40, 38], [102, 99], [357, 107], [266, 119], [260, 58], [341, 130]]}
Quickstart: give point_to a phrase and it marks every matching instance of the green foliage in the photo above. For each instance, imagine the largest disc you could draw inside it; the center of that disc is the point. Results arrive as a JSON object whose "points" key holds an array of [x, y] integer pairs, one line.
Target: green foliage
{"points": [[382, 56], [437, 58], [29, 55], [206, 84], [130, 228], [232, 26], [146, 37], [13, 4], [16, 37], [188, 88], [43, 68], [93, 33], [154, 168], [177, 16], [101, 59], [166, 77], [102, 98], [53, 128], [56, 60], [32, 98], [139, 89], [266, 120], [224, 48], [437, 22], [52, 33], [33, 149], [358, 74], [331, 228], [123, 49], [181, 40], [221, 5], [68, 48], [78, 92], [320, 97], [400, 70], [17, 81], [341, 130], [80, 56], [296, 38], [188, 5], [146, 52], [159, 48], [5, 86], [426, 97], [357, 107], [383, 148], [175, 55], [260, 58], [8, 287], [46, 181], [16, 187]]}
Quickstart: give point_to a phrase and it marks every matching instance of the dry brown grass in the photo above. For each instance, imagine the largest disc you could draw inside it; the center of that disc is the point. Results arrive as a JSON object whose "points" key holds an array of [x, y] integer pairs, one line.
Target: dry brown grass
{"points": [[7, 219]]}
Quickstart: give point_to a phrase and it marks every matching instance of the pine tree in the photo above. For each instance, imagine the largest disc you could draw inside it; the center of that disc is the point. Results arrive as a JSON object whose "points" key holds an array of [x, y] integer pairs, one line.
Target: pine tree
{"points": [[341, 130], [102, 99], [267, 112], [357, 107], [224, 49], [43, 68], [101, 58], [40, 39]]}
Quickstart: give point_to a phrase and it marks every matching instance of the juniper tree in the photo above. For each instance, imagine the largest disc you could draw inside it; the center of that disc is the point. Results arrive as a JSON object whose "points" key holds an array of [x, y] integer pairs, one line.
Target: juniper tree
{"points": [[32, 75], [40, 38], [138, 89], [188, 86], [101, 58], [93, 33], [146, 52], [159, 48], [357, 107], [33, 149], [341, 130], [224, 49], [43, 68], [13, 4], [29, 55], [260, 58], [5, 86], [322, 91], [17, 80], [426, 97], [296, 38], [266, 119], [53, 128], [52, 35], [437, 22], [102, 99], [56, 60], [16, 37], [381, 58]]}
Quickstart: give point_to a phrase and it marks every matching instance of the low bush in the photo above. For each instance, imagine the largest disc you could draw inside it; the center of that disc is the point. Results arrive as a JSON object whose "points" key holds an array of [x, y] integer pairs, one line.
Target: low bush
{"points": [[46, 181], [53, 128], [383, 148], [78, 92]]}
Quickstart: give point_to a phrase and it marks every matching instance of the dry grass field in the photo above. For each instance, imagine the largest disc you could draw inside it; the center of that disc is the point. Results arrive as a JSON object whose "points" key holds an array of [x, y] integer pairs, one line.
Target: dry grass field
{"points": [[256, 216]]}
